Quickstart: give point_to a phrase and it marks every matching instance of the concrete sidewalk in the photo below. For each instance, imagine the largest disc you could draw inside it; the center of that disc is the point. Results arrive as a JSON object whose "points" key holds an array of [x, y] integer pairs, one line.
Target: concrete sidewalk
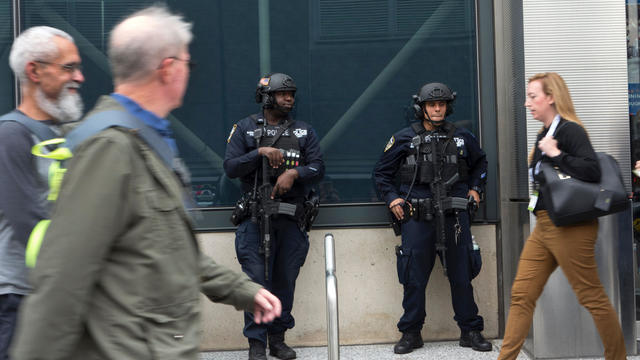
{"points": [[445, 350]]}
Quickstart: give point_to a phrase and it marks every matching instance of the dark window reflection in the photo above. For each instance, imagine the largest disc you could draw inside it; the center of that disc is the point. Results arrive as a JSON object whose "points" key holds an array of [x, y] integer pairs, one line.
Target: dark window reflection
{"points": [[356, 64]]}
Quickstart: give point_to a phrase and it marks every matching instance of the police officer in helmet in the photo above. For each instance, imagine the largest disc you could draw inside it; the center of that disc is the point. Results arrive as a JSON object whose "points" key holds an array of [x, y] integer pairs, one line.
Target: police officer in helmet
{"points": [[272, 135], [430, 157]]}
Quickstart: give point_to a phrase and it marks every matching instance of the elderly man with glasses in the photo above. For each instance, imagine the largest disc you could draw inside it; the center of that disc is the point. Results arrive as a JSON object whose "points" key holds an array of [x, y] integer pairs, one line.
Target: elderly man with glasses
{"points": [[47, 64]]}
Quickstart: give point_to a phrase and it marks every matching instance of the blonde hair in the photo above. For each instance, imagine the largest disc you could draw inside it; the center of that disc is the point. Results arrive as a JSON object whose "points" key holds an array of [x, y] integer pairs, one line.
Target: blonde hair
{"points": [[553, 85]]}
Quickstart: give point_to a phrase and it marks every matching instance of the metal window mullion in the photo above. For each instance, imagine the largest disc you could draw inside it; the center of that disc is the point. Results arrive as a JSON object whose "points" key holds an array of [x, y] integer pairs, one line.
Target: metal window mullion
{"points": [[16, 31], [478, 84]]}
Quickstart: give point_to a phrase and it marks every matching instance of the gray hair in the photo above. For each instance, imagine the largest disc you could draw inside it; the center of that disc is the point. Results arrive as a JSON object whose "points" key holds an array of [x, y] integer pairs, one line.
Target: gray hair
{"points": [[139, 43], [34, 44]]}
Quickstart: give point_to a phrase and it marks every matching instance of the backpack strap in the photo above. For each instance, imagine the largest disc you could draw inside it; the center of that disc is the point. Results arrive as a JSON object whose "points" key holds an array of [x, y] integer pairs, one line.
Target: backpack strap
{"points": [[37, 128], [119, 118], [281, 131]]}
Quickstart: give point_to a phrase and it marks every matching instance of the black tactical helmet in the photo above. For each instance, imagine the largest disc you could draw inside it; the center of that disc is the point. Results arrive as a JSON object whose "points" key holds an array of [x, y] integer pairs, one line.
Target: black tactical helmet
{"points": [[433, 92], [270, 84]]}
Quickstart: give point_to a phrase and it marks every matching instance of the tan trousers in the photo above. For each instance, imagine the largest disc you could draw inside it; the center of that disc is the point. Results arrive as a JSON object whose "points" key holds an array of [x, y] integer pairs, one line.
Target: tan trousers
{"points": [[573, 249]]}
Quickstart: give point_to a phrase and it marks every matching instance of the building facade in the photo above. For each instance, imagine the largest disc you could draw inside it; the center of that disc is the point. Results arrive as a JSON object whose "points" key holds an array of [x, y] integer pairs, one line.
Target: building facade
{"points": [[357, 63]]}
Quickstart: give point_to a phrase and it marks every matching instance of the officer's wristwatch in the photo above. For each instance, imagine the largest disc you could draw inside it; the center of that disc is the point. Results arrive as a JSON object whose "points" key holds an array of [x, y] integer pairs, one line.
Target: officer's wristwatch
{"points": [[477, 189]]}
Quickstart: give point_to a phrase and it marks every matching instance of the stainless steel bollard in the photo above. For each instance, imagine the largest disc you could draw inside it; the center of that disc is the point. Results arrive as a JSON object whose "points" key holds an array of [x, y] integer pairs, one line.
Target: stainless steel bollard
{"points": [[332, 298]]}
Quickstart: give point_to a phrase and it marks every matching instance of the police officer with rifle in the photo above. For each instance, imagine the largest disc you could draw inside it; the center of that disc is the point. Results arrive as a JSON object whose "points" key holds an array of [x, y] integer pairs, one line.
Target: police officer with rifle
{"points": [[431, 175], [277, 160]]}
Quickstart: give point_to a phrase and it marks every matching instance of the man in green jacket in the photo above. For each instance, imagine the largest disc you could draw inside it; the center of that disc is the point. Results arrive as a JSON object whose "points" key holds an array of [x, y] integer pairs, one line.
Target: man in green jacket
{"points": [[119, 272]]}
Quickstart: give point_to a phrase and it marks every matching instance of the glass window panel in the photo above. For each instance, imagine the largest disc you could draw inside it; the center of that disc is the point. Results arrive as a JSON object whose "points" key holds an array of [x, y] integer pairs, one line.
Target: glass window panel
{"points": [[356, 64], [6, 39]]}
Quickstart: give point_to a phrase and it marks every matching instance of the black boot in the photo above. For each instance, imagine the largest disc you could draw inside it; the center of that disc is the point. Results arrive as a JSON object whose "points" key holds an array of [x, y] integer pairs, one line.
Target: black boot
{"points": [[408, 342], [257, 350], [474, 340], [279, 349]]}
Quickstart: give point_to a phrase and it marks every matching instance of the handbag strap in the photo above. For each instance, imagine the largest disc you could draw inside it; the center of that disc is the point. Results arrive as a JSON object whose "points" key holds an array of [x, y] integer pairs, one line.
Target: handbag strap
{"points": [[556, 125]]}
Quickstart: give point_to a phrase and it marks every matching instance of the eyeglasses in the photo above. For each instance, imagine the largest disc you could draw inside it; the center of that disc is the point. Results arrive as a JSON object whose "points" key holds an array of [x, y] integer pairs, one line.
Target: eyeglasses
{"points": [[70, 67], [190, 63]]}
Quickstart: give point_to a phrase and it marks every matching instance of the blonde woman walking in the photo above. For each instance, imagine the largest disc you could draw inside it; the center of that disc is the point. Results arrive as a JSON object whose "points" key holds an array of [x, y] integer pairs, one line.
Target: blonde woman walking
{"points": [[563, 141]]}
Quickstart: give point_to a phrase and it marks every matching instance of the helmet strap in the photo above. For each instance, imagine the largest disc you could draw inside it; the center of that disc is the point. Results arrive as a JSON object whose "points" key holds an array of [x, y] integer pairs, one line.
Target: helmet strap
{"points": [[427, 118]]}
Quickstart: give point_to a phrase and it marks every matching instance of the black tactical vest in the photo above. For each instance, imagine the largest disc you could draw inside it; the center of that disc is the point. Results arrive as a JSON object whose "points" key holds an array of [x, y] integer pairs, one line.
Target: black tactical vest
{"points": [[287, 142], [446, 161]]}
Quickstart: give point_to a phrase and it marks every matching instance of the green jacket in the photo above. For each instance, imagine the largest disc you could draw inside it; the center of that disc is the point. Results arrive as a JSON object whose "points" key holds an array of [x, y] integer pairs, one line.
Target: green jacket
{"points": [[119, 272]]}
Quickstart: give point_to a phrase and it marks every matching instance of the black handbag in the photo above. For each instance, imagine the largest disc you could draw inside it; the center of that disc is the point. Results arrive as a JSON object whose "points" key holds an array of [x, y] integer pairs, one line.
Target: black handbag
{"points": [[569, 200]]}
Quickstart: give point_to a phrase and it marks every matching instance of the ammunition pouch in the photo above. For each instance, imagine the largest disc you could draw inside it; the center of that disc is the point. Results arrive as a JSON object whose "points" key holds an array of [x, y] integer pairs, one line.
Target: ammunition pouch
{"points": [[272, 207], [422, 209], [406, 173], [309, 210], [473, 208], [451, 204], [292, 159], [425, 173]]}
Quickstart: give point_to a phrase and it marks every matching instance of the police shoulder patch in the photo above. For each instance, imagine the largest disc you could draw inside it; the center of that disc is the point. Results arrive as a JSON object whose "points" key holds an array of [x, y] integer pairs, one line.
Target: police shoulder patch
{"points": [[390, 144], [235, 126], [300, 132]]}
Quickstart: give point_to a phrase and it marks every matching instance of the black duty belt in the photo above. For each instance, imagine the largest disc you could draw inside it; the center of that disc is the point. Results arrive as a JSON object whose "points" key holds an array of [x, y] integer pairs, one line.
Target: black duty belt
{"points": [[424, 209]]}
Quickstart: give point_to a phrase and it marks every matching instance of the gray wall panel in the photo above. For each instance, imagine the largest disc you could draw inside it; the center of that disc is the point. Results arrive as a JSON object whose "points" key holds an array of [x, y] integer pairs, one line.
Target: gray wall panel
{"points": [[585, 42]]}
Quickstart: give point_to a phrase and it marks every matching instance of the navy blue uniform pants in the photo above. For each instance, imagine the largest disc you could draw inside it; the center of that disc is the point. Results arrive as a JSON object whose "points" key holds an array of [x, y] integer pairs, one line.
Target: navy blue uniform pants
{"points": [[9, 304], [289, 247], [416, 258]]}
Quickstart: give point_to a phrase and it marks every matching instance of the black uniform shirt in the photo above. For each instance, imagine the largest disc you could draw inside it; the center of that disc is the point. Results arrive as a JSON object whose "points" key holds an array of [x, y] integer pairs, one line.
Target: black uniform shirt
{"points": [[242, 159], [399, 147]]}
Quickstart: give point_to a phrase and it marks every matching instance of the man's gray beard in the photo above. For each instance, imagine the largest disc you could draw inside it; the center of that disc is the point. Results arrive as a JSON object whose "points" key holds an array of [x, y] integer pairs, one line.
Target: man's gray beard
{"points": [[68, 107]]}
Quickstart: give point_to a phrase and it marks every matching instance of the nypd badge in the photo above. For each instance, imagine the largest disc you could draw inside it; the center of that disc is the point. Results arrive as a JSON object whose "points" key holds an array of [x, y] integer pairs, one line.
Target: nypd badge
{"points": [[300, 132], [390, 144]]}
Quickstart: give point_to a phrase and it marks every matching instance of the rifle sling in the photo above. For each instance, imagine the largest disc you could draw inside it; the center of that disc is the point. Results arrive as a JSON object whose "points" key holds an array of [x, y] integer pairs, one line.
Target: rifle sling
{"points": [[277, 135]]}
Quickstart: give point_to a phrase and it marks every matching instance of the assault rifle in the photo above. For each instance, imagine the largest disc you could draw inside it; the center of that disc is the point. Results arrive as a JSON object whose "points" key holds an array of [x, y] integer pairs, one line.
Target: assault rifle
{"points": [[439, 198], [264, 208]]}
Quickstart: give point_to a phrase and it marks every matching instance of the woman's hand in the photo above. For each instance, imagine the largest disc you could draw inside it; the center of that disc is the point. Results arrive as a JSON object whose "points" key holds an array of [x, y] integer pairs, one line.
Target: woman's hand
{"points": [[549, 146]]}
